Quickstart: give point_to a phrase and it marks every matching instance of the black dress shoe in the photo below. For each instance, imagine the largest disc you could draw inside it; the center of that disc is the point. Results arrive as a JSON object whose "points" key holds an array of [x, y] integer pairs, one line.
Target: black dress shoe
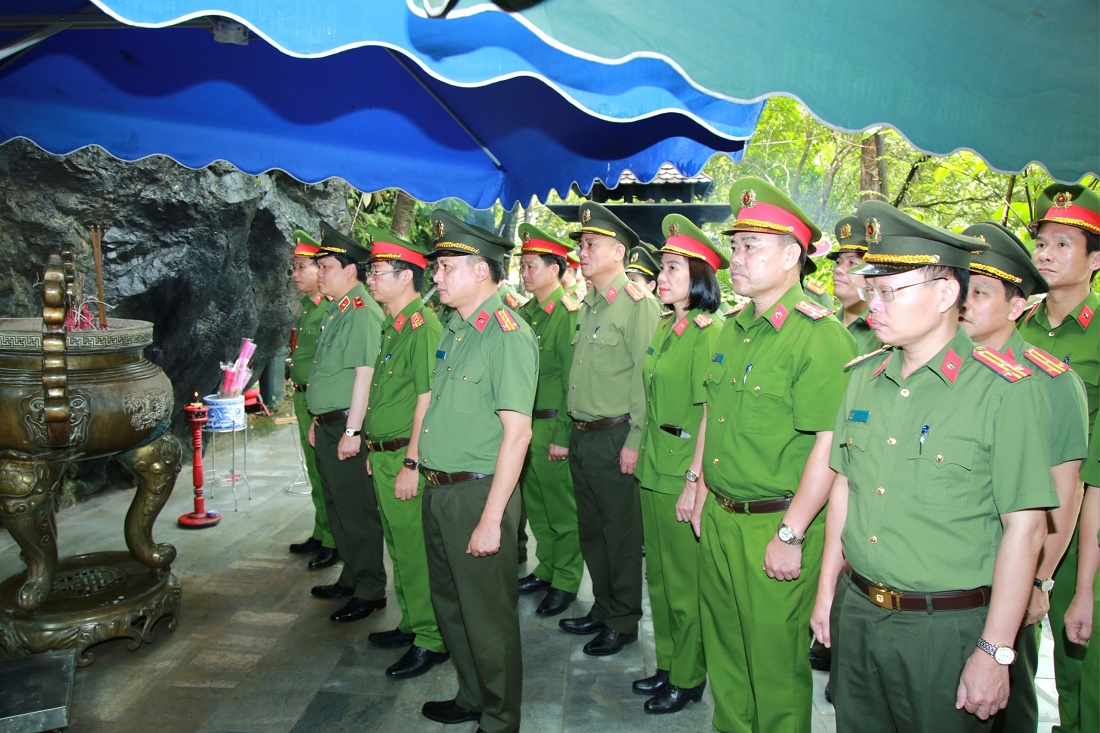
{"points": [[531, 583], [555, 602], [829, 692], [583, 626], [673, 699], [308, 547], [326, 557], [394, 639], [356, 609], [415, 662], [820, 656], [651, 685], [330, 592], [608, 642], [448, 712]]}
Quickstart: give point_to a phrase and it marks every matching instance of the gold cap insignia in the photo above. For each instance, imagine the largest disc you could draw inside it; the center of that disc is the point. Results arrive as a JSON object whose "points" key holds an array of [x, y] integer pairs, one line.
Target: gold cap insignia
{"points": [[748, 198], [526, 237], [673, 230], [633, 258], [1062, 199], [981, 237], [586, 216], [874, 235], [439, 230], [846, 231]]}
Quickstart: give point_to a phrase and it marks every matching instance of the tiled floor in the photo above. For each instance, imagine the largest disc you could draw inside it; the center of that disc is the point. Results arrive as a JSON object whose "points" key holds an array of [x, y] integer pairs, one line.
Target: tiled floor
{"points": [[255, 652]]}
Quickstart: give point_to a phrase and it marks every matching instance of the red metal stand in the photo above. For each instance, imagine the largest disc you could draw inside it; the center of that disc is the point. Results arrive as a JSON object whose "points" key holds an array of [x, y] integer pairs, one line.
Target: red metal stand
{"points": [[200, 518]]}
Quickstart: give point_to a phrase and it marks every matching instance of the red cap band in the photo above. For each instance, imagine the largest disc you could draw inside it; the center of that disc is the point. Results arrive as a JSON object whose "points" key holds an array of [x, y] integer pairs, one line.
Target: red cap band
{"points": [[688, 247], [1074, 216], [770, 218], [542, 247], [305, 250], [391, 251]]}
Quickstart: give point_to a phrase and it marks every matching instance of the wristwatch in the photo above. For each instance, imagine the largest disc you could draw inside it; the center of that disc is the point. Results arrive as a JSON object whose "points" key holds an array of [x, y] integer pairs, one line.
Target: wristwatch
{"points": [[411, 463], [1046, 585], [1003, 655], [351, 433], [691, 476], [786, 535]]}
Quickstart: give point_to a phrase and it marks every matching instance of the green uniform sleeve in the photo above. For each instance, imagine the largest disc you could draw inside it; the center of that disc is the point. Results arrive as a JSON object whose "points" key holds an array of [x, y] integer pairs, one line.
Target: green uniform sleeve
{"points": [[514, 370], [1020, 453], [819, 386], [639, 335], [1069, 438]]}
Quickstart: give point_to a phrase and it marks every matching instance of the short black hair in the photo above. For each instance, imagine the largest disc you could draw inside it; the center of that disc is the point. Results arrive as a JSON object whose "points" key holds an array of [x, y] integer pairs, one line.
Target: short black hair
{"points": [[704, 293], [1012, 290], [961, 275], [552, 259], [416, 270], [496, 269]]}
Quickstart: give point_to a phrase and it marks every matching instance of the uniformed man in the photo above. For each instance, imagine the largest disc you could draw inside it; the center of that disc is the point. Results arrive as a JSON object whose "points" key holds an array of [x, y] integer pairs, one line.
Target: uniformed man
{"points": [[851, 238], [304, 274], [642, 269], [775, 382], [942, 452], [545, 482], [1067, 253], [607, 405], [472, 446], [399, 398], [1001, 281], [339, 389]]}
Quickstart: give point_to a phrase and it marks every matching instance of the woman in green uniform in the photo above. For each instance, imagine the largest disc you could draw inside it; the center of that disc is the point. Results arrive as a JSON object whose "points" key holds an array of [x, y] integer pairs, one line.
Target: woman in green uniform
{"points": [[673, 374]]}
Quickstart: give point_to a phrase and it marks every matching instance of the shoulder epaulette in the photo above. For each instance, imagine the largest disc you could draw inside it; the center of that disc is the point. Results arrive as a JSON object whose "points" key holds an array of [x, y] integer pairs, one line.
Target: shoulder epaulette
{"points": [[358, 302], [1031, 311], [1047, 362], [512, 301], [814, 288], [812, 309], [507, 323], [344, 304], [570, 304], [634, 291], [1001, 364], [703, 320], [867, 357], [417, 320]]}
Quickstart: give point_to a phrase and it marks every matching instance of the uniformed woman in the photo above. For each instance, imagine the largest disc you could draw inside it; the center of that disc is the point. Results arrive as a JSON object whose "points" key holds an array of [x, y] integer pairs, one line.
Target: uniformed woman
{"points": [[674, 371]]}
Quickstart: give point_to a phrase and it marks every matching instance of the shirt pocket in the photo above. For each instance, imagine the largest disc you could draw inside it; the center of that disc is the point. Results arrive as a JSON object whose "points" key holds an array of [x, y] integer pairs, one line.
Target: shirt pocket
{"points": [[604, 352], [464, 385], [942, 470], [674, 454], [764, 395], [856, 441]]}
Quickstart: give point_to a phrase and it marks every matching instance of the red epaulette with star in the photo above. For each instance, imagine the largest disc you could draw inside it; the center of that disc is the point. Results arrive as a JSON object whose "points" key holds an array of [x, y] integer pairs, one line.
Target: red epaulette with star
{"points": [[1047, 362], [399, 322], [507, 323], [1001, 364], [866, 357], [702, 320], [358, 302], [550, 306], [814, 288], [416, 320], [344, 304], [512, 301], [634, 291], [812, 309], [317, 299], [570, 304]]}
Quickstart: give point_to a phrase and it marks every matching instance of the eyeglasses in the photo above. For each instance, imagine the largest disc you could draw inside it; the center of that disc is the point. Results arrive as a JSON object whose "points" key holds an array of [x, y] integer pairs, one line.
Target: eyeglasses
{"points": [[887, 294], [379, 273]]}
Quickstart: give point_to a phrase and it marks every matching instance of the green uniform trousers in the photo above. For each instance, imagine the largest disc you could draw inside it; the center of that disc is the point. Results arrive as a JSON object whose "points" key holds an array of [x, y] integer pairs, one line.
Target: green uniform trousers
{"points": [[754, 628], [1022, 713], [1090, 672], [609, 516], [353, 514], [672, 571], [403, 523], [321, 530], [552, 511], [1068, 657], [475, 601], [898, 671]]}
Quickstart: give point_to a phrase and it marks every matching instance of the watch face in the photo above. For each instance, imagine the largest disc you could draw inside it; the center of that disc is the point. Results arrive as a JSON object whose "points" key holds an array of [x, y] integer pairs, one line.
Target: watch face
{"points": [[1047, 585], [1004, 655], [786, 533]]}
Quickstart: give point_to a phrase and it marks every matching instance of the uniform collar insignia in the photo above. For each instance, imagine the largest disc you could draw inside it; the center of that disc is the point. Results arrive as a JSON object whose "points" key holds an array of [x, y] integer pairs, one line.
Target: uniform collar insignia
{"points": [[778, 316], [949, 367]]}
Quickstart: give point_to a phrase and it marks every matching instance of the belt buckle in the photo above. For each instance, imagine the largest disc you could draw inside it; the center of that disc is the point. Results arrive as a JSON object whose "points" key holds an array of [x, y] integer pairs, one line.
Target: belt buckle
{"points": [[884, 597], [431, 477]]}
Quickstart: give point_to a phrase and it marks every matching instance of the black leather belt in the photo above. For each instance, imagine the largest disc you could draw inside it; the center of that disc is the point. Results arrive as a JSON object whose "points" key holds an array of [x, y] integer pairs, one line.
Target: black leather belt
{"points": [[764, 506], [441, 478], [301, 387], [326, 417], [544, 414], [896, 600], [385, 446], [603, 424]]}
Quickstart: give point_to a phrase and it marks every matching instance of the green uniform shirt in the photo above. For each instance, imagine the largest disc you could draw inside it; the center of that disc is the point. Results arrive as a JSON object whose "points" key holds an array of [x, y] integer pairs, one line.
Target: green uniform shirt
{"points": [[866, 340], [350, 335], [926, 516], [305, 339], [674, 374], [553, 322], [773, 382], [483, 365], [1069, 409], [613, 330], [1073, 341], [402, 372]]}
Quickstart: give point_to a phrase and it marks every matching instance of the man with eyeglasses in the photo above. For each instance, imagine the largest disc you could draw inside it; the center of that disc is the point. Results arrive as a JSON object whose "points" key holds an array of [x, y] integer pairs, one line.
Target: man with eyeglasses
{"points": [[938, 510], [303, 348], [775, 382], [338, 393], [399, 392]]}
